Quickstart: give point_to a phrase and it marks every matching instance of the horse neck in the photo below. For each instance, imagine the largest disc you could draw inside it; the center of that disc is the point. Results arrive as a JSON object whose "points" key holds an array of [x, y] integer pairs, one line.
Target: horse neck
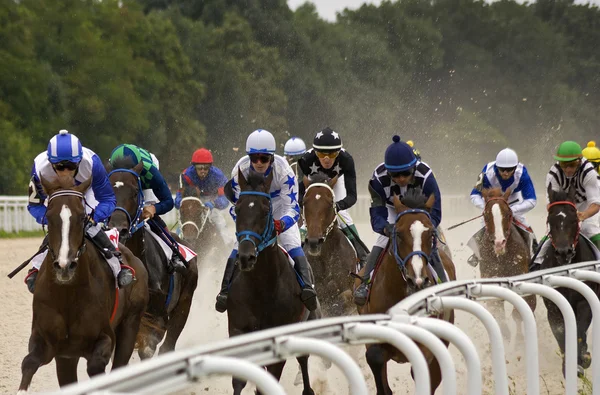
{"points": [[268, 270], [391, 282]]}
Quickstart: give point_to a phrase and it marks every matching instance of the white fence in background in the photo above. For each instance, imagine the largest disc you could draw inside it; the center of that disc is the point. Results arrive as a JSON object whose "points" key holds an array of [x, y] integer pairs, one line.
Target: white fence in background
{"points": [[403, 325], [14, 216]]}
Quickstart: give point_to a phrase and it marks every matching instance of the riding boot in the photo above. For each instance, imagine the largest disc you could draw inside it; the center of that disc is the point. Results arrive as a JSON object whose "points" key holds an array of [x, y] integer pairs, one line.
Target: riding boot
{"points": [[221, 305], [534, 244], [361, 293], [538, 258], [438, 266], [361, 253], [308, 294], [107, 248]]}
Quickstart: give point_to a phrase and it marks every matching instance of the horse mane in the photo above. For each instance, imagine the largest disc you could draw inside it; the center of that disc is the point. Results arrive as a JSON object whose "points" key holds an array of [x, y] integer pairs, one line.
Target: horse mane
{"points": [[319, 177], [124, 162], [494, 192], [255, 180], [414, 198]]}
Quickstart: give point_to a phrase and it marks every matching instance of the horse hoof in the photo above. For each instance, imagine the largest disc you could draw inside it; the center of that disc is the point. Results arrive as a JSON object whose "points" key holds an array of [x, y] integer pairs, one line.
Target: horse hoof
{"points": [[586, 360]]}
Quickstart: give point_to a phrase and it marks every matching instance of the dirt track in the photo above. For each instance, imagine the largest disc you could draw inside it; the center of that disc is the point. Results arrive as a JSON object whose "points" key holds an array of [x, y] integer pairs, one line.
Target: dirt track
{"points": [[205, 325]]}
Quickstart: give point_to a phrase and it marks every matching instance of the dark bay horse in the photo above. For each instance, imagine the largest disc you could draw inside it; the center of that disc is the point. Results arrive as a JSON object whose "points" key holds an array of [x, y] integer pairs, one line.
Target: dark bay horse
{"points": [[567, 247], [77, 310], [264, 292], [504, 251], [332, 256], [404, 270], [170, 295]]}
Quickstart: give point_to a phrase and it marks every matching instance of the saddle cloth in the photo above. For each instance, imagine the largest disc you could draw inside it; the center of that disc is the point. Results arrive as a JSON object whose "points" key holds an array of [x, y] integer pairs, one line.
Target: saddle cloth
{"points": [[186, 252]]}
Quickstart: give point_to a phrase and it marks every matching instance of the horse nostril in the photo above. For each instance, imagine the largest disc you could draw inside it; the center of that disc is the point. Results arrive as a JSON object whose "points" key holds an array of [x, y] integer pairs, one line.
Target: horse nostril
{"points": [[56, 265], [73, 265]]}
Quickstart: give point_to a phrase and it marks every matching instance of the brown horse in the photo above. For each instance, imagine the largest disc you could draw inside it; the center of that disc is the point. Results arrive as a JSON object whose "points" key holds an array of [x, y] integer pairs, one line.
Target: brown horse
{"points": [[170, 294], [504, 251], [403, 270], [332, 256], [194, 217], [265, 292], [77, 310]]}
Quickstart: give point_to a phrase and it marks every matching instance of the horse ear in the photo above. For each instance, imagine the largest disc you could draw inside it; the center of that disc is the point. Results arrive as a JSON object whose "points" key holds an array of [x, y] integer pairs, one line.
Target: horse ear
{"points": [[84, 186], [242, 180], [268, 182], [48, 186], [138, 168], [333, 181], [430, 202], [550, 193], [572, 194], [305, 181], [398, 205], [507, 193]]}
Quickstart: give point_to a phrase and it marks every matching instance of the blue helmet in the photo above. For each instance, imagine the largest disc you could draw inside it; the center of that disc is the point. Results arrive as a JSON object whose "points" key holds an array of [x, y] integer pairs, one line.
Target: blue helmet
{"points": [[399, 156], [64, 146]]}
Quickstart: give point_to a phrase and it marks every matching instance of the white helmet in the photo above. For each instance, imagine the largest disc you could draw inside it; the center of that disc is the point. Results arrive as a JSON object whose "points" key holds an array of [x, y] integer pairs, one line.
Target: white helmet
{"points": [[294, 146], [507, 158], [260, 141]]}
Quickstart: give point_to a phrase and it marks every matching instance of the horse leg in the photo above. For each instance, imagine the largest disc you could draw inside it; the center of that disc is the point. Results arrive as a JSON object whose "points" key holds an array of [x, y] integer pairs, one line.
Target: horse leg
{"points": [[556, 322], [276, 369], [303, 361], [39, 354], [435, 374], [377, 358], [238, 386], [125, 337], [101, 355], [583, 316], [180, 313], [66, 370]]}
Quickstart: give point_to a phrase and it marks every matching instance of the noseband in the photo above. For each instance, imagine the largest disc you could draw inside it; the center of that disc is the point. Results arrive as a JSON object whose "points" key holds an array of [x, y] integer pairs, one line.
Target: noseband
{"points": [[136, 222], [263, 239]]}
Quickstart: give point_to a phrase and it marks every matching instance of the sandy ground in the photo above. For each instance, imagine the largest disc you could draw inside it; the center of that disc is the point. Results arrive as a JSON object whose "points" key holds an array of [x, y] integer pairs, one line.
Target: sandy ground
{"points": [[206, 325]]}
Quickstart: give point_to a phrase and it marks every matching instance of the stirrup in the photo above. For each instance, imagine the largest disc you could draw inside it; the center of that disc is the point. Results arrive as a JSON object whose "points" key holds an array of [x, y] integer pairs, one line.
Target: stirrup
{"points": [[473, 261], [125, 276], [221, 304]]}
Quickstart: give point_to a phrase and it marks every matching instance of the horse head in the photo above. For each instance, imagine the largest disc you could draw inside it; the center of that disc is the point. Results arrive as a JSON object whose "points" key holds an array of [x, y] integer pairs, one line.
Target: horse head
{"points": [[66, 221], [126, 183], [254, 217], [563, 223], [193, 217], [319, 210], [412, 240], [498, 217]]}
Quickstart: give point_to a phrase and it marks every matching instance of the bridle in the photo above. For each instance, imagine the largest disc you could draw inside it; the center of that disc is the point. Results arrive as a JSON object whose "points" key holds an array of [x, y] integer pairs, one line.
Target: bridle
{"points": [[263, 239], [136, 222]]}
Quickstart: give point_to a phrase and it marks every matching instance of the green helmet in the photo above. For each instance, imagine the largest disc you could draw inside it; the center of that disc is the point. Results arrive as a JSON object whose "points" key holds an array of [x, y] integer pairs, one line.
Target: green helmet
{"points": [[568, 151]]}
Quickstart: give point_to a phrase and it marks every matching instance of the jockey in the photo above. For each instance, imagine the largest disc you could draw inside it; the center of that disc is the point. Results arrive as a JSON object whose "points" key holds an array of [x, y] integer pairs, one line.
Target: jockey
{"points": [[293, 150], [400, 171], [506, 172], [592, 154], [65, 156], [207, 182], [327, 156], [415, 151], [128, 156], [260, 147], [572, 170]]}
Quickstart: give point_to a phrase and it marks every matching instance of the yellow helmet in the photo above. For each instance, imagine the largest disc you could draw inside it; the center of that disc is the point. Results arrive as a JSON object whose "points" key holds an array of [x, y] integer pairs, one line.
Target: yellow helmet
{"points": [[591, 152]]}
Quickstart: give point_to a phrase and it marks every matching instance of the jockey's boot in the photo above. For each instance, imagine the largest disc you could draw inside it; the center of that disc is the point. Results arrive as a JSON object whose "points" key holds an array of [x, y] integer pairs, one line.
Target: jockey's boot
{"points": [[221, 305], [361, 253], [534, 244], [473, 260], [361, 293], [30, 279], [438, 266], [107, 248], [308, 294]]}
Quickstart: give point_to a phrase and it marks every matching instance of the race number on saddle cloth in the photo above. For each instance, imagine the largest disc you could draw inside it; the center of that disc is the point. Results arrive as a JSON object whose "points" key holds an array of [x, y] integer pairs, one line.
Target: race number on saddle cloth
{"points": [[507, 173]]}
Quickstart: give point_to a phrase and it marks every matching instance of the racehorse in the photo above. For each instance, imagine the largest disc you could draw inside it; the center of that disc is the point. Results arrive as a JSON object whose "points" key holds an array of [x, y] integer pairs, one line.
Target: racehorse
{"points": [[170, 294], [332, 254], [504, 251], [402, 270], [264, 292], [568, 246], [78, 312], [196, 227]]}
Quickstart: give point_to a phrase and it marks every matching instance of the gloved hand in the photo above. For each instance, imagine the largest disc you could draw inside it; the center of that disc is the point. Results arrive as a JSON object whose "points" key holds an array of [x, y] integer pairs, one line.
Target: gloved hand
{"points": [[279, 225], [388, 230], [178, 199], [148, 212]]}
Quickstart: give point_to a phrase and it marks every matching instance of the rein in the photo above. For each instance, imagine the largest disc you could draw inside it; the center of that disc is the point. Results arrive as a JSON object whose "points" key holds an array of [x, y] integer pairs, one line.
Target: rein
{"points": [[135, 223], [402, 262], [193, 223], [334, 221], [263, 239], [564, 203]]}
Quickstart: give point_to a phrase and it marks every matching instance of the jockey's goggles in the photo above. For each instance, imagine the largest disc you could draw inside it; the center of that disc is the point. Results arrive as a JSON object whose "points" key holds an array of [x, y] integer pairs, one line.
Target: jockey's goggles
{"points": [[574, 164], [506, 169], [405, 173], [202, 166], [65, 165], [262, 158], [327, 154]]}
